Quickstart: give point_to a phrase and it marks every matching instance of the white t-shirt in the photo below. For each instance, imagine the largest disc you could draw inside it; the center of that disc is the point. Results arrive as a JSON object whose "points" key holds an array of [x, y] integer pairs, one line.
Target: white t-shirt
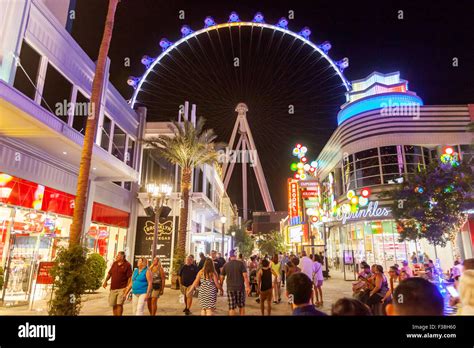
{"points": [[318, 271], [306, 266]]}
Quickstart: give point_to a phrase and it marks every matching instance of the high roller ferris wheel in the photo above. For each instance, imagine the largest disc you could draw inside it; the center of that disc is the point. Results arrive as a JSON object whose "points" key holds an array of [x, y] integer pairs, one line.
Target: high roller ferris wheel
{"points": [[210, 25]]}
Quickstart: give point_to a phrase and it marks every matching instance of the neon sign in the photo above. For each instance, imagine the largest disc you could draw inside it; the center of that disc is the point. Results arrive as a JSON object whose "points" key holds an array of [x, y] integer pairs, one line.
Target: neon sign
{"points": [[372, 211]]}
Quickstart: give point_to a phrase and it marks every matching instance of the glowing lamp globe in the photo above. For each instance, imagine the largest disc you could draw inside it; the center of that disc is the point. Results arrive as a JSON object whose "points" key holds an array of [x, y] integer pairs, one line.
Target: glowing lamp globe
{"points": [[294, 167], [363, 201], [304, 149], [306, 167], [297, 176], [304, 159], [314, 164], [303, 176], [314, 219], [354, 200], [350, 194], [300, 165], [312, 169], [310, 211], [365, 192], [298, 146], [300, 171], [296, 151], [449, 150]]}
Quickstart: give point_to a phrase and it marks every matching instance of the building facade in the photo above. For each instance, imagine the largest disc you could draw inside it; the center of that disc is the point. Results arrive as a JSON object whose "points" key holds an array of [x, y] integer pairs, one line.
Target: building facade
{"points": [[45, 89], [384, 133]]}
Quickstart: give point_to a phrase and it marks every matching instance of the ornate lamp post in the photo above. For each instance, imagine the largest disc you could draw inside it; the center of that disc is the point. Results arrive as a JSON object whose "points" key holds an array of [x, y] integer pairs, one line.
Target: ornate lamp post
{"points": [[232, 241], [223, 220], [157, 195]]}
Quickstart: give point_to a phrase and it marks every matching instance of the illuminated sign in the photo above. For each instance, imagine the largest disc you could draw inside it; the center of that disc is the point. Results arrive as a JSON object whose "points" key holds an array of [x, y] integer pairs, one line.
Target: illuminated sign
{"points": [[309, 194], [309, 183], [372, 211], [295, 232], [293, 199]]}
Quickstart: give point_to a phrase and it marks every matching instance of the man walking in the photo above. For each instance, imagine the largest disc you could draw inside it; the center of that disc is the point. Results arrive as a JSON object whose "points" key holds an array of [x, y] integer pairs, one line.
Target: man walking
{"points": [[306, 265], [238, 285], [187, 275], [121, 274]]}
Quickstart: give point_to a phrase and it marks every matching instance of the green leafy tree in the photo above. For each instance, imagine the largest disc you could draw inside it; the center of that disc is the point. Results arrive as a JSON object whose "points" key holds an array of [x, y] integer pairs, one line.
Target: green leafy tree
{"points": [[70, 281], [271, 243], [96, 267], [242, 239], [189, 147], [430, 204]]}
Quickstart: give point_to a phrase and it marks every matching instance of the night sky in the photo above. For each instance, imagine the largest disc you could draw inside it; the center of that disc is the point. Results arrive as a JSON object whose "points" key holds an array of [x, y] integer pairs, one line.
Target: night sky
{"points": [[277, 72]]}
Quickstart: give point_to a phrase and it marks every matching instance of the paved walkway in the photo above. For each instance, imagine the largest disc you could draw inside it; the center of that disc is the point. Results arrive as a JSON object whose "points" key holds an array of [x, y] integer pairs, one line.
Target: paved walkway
{"points": [[171, 302]]}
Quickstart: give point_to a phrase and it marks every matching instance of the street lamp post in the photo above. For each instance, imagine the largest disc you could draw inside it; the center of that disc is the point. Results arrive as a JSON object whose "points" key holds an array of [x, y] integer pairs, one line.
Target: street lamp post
{"points": [[223, 220], [232, 241], [157, 195]]}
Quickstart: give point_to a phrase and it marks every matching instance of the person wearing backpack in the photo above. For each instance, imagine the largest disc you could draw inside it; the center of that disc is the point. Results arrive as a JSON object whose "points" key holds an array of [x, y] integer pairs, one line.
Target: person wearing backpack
{"points": [[157, 284]]}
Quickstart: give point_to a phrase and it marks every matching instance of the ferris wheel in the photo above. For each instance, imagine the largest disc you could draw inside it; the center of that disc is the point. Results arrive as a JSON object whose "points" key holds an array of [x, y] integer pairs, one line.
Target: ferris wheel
{"points": [[210, 24], [269, 67]]}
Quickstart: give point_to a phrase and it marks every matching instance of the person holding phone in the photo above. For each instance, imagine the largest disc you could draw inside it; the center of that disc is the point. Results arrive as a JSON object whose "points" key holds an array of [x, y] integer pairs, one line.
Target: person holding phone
{"points": [[158, 285]]}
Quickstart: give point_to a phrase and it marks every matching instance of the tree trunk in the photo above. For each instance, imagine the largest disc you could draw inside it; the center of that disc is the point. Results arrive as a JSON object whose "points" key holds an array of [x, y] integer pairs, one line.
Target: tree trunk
{"points": [[183, 214], [94, 110]]}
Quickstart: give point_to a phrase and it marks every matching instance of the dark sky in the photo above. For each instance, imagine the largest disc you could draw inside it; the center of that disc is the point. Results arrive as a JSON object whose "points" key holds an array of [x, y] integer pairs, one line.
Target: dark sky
{"points": [[421, 46]]}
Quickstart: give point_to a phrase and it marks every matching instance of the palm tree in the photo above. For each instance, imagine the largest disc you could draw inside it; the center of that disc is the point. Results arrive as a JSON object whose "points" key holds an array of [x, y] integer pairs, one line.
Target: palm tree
{"points": [[86, 155], [189, 147]]}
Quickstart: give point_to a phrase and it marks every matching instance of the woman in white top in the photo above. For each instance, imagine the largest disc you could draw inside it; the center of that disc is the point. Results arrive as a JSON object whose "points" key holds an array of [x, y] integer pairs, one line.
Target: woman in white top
{"points": [[318, 279]]}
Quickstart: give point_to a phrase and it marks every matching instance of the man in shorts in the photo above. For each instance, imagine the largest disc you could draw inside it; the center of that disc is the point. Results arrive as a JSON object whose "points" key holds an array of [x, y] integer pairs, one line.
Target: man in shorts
{"points": [[187, 275], [238, 285], [121, 274]]}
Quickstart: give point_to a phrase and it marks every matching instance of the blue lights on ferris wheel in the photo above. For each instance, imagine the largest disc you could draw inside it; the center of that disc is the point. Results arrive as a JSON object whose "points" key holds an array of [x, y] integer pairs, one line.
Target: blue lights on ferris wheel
{"points": [[234, 17], [186, 30], [133, 81], [325, 46], [258, 18], [283, 23], [147, 61], [209, 22], [165, 44], [342, 64], [305, 32]]}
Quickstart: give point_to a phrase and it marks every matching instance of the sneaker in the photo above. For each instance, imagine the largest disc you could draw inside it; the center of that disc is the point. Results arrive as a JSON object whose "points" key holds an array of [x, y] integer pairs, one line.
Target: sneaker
{"points": [[185, 310], [275, 302], [257, 300], [279, 300], [188, 312]]}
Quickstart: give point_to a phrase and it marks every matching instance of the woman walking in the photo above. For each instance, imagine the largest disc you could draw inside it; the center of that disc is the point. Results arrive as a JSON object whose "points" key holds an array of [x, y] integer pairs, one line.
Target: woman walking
{"points": [[318, 279], [141, 286], [265, 284], [158, 285], [209, 285], [276, 270]]}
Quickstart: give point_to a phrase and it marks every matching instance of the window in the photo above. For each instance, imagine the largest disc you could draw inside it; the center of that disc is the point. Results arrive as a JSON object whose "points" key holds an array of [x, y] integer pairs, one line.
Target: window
{"points": [[208, 190], [411, 149], [118, 144], [361, 173], [392, 169], [388, 150], [30, 61], [415, 159], [130, 152], [374, 161], [56, 93], [127, 185], [368, 181], [106, 129], [391, 178], [197, 180], [389, 159], [466, 153], [81, 112], [366, 154]]}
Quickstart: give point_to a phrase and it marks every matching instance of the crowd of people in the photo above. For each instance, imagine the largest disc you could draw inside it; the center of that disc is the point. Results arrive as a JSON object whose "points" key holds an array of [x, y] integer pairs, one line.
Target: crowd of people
{"points": [[403, 290]]}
